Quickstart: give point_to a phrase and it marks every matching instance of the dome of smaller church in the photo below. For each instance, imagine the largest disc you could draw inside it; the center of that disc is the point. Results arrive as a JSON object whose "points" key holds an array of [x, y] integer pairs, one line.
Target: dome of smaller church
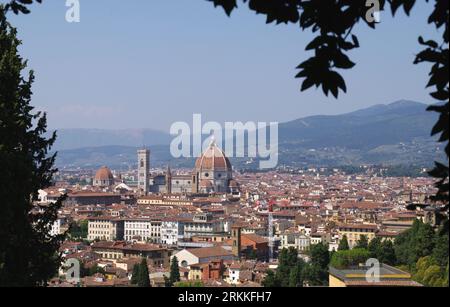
{"points": [[103, 177], [104, 173]]}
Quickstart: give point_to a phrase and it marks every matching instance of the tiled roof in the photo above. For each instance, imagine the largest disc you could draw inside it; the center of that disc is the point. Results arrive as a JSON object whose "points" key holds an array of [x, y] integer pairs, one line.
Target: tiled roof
{"points": [[207, 252]]}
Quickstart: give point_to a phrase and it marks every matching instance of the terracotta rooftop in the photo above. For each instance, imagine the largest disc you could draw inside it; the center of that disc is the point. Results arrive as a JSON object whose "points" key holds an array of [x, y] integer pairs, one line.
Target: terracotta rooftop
{"points": [[206, 252]]}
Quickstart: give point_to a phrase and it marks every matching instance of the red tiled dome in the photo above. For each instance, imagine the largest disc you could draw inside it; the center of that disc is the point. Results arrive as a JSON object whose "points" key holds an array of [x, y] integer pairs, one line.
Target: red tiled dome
{"points": [[213, 159], [104, 174]]}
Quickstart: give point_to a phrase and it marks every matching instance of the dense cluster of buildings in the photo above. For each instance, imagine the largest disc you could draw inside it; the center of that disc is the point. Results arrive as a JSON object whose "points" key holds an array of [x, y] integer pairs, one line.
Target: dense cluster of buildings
{"points": [[225, 228]]}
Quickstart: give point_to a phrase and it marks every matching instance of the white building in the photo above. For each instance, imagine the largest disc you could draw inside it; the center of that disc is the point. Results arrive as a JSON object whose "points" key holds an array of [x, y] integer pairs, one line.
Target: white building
{"points": [[142, 230], [234, 273], [50, 196], [333, 246], [306, 229], [56, 227], [105, 228], [296, 240], [203, 224], [171, 231], [316, 238], [187, 257]]}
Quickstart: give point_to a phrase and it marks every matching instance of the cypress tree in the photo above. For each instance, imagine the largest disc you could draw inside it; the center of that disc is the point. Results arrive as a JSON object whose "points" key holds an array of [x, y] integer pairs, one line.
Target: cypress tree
{"points": [[320, 260], [363, 242], [135, 274], [271, 280], [296, 277], [29, 255], [375, 248], [387, 253], [144, 279], [174, 271], [343, 244]]}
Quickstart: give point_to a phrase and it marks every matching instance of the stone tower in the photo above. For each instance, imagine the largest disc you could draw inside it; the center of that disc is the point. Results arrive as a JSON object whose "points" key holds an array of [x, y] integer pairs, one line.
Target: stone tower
{"points": [[143, 170], [169, 180], [236, 237], [195, 182]]}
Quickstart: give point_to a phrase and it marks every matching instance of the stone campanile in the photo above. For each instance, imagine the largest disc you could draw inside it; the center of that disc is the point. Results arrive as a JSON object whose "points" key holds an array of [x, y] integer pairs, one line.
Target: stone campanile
{"points": [[143, 170], [236, 231]]}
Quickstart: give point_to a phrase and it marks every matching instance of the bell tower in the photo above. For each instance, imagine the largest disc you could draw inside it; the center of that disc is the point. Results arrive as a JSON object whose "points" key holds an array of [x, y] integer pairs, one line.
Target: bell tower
{"points": [[236, 238], [168, 180], [194, 183], [143, 170]]}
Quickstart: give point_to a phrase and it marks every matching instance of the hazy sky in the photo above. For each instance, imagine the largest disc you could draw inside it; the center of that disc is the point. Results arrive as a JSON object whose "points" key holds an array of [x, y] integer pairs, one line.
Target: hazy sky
{"points": [[149, 63]]}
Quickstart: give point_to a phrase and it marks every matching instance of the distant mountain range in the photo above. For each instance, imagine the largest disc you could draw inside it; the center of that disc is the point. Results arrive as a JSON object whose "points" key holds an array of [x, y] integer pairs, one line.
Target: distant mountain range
{"points": [[81, 138], [397, 133], [369, 128]]}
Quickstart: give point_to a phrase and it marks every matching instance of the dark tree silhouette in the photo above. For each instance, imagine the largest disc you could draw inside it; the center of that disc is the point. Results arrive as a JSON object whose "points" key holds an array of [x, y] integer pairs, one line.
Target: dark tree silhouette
{"points": [[174, 271], [135, 276], [143, 277], [20, 6], [29, 254], [363, 242], [343, 244]]}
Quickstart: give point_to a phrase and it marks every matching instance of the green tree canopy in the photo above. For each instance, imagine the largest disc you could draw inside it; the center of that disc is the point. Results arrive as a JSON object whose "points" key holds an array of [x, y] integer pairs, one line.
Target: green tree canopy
{"points": [[174, 271], [423, 252], [270, 281], [415, 243], [144, 278], [135, 274], [383, 251], [320, 260], [375, 247], [297, 274], [78, 230], [348, 258], [343, 244], [429, 273], [29, 254], [287, 260], [363, 242], [387, 255], [441, 249]]}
